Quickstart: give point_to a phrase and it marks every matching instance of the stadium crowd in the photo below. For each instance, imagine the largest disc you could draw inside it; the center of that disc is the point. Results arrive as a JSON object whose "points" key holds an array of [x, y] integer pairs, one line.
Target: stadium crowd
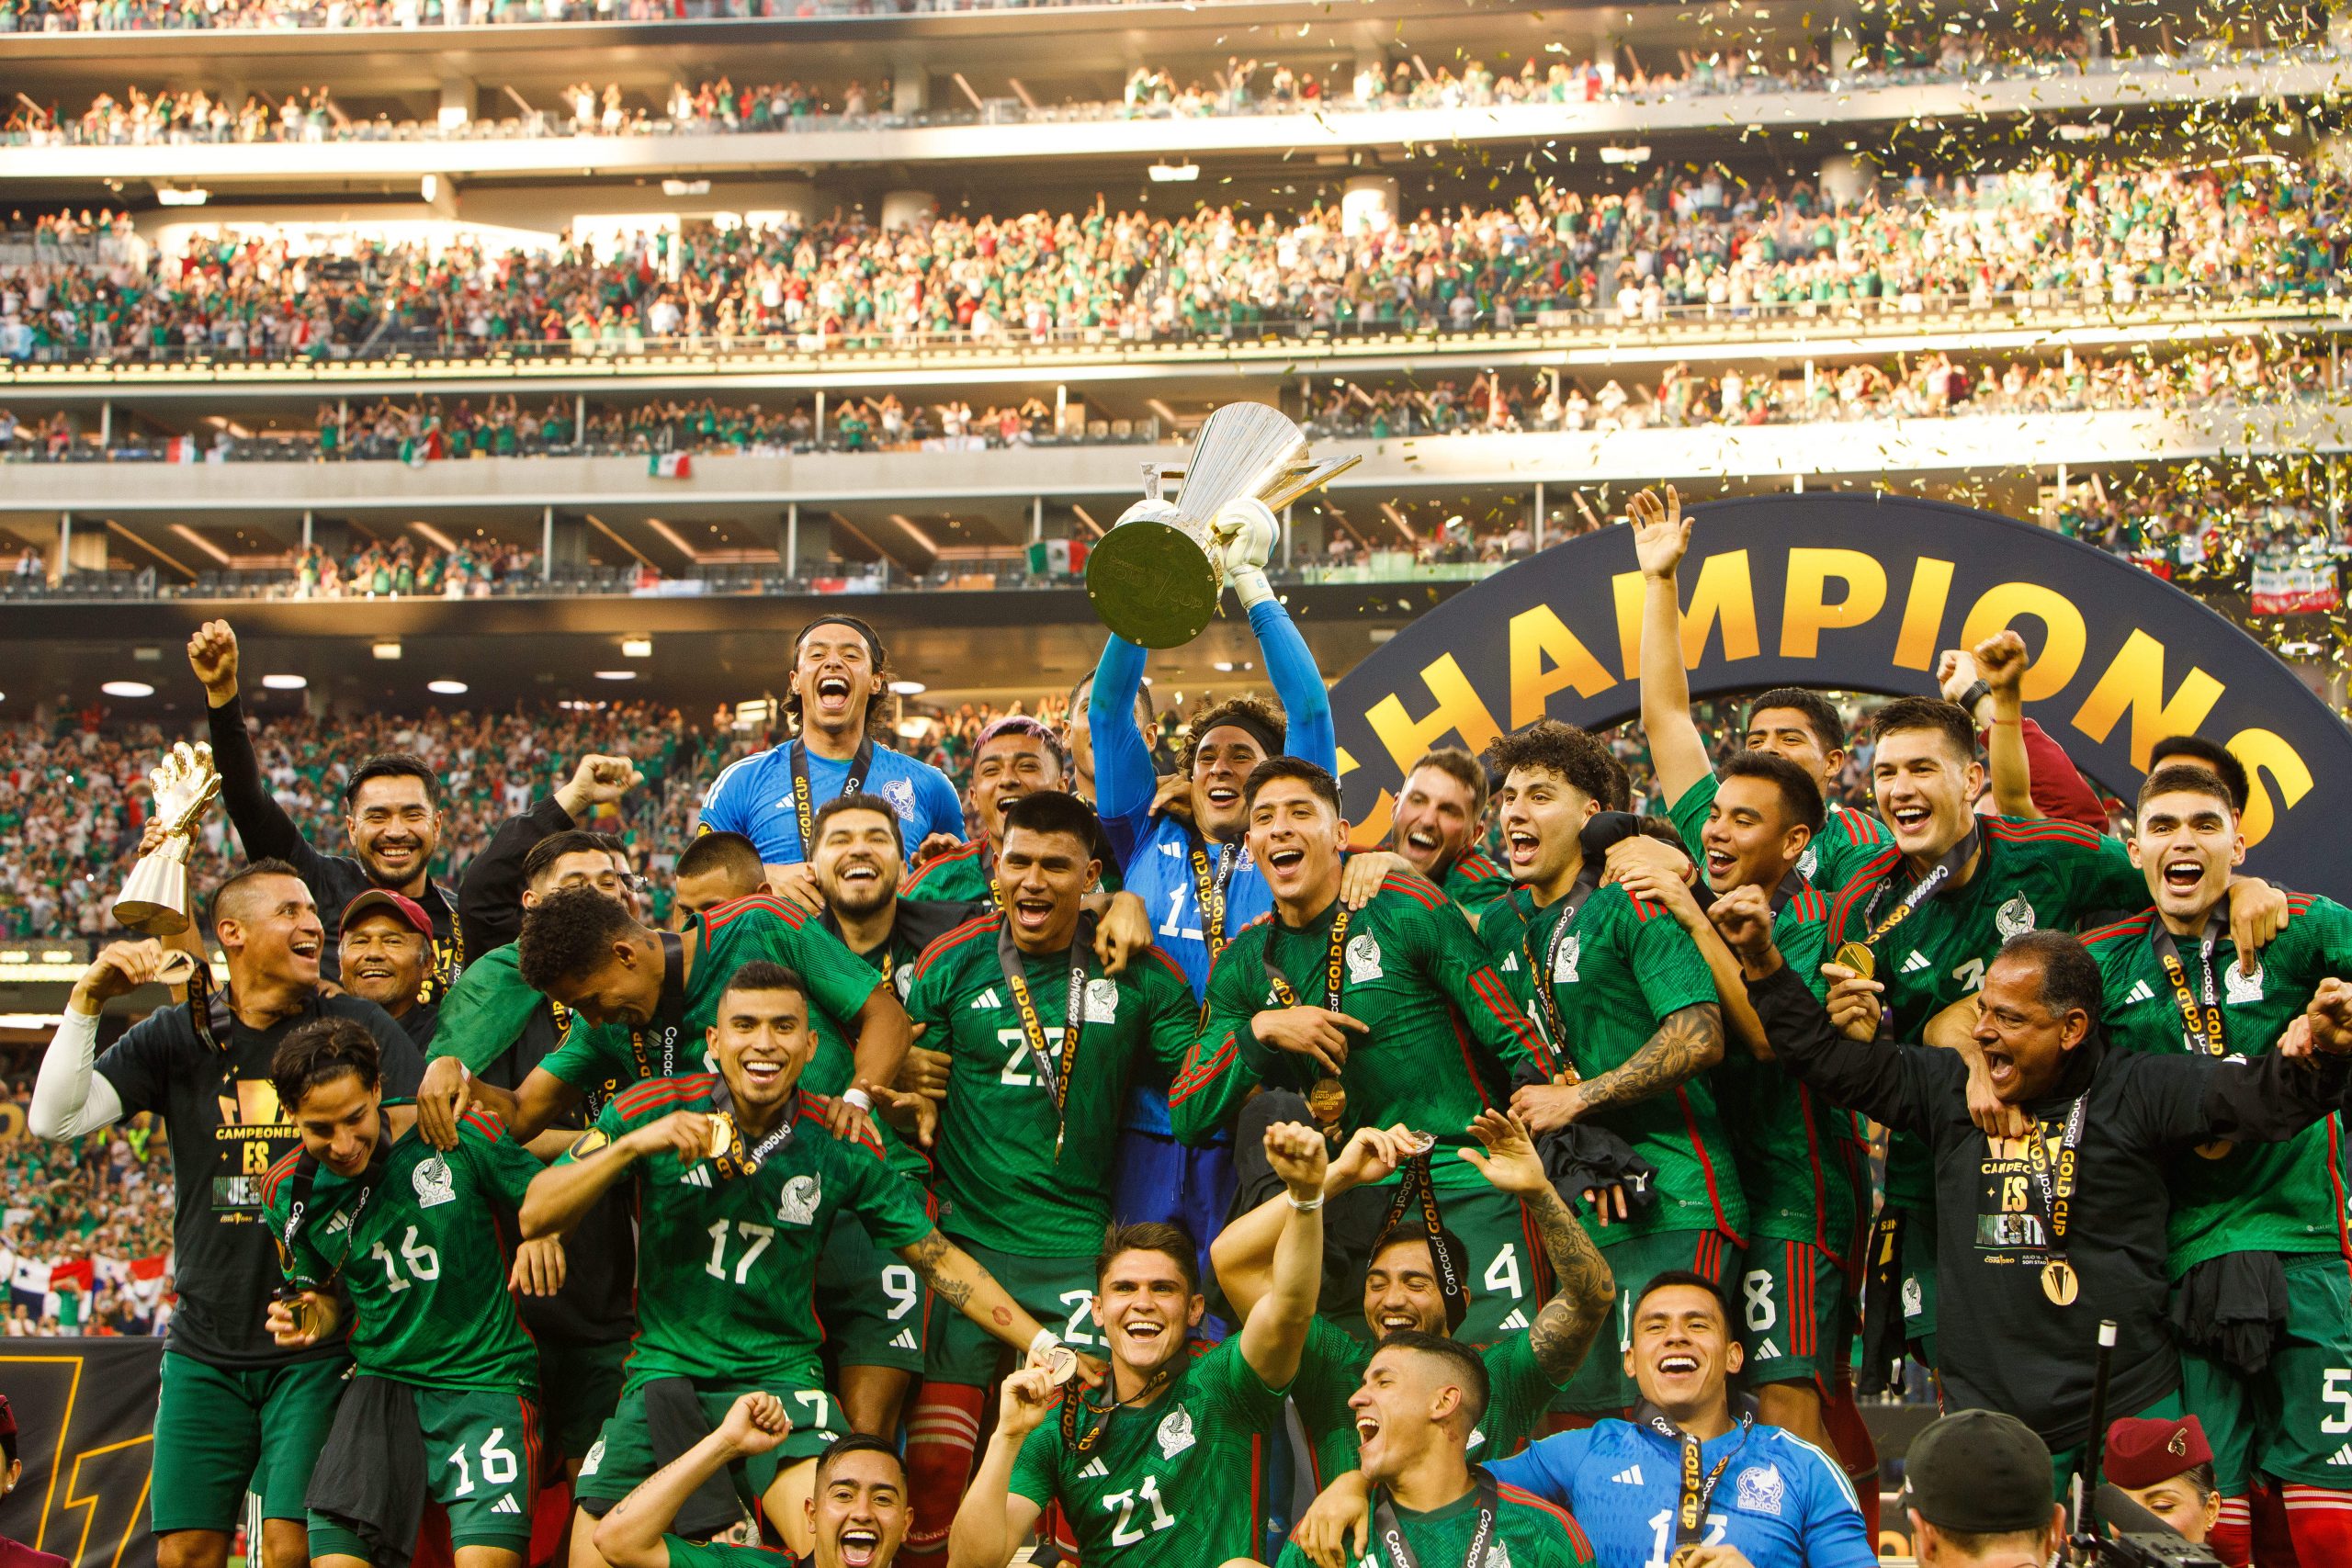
{"points": [[1702, 246]]}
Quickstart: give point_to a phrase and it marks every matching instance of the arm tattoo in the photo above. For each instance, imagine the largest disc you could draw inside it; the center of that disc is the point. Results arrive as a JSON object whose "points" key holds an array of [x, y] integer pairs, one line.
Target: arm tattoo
{"points": [[928, 1256], [1563, 1331], [1686, 1044]]}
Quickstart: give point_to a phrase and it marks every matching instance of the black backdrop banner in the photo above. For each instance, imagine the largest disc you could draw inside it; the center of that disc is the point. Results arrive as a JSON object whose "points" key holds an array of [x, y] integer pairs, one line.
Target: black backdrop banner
{"points": [[1859, 593], [85, 1422]]}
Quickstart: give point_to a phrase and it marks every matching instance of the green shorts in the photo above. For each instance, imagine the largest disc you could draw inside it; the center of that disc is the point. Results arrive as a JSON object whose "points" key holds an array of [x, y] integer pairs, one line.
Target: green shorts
{"points": [[1796, 1314], [874, 1306], [623, 1455], [1058, 1292], [2293, 1421], [221, 1431], [1601, 1386], [1509, 1274], [481, 1462], [579, 1387]]}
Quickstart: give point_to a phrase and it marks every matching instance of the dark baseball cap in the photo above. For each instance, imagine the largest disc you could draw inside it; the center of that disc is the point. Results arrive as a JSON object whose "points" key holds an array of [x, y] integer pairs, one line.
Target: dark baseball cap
{"points": [[1979, 1471]]}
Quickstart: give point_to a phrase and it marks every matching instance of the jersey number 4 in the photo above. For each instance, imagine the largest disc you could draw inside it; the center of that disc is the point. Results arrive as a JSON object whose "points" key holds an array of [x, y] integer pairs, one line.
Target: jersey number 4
{"points": [[1124, 1531]]}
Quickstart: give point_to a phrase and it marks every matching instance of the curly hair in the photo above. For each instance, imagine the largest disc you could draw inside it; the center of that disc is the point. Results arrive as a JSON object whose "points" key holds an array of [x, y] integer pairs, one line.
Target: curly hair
{"points": [[1261, 718], [1561, 748], [569, 934]]}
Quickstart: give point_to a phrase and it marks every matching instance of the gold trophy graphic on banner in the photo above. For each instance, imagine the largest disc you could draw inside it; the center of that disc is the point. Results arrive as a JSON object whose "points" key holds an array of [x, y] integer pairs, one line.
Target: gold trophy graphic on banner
{"points": [[1155, 578], [155, 901]]}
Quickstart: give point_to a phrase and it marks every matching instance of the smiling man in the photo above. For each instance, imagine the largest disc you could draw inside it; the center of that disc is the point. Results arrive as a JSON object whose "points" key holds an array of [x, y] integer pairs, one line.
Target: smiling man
{"points": [[737, 1186], [385, 945], [857, 1514], [1441, 812], [2175, 984], [839, 684], [237, 1409], [1042, 1043], [2050, 1232], [391, 807], [1015, 756]]}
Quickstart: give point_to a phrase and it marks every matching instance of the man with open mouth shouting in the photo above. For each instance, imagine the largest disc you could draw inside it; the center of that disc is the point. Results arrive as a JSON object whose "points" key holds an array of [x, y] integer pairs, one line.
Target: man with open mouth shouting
{"points": [[1013, 757], [1042, 1042], [1161, 1467], [2059, 1228], [1385, 1015], [737, 1185], [1441, 812], [2176, 984], [840, 675], [858, 1513]]}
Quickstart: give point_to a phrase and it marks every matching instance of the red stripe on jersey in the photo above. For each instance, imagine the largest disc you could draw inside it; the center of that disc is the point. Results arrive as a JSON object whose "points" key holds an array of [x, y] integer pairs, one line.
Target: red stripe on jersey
{"points": [[1480, 865], [1567, 1521], [2300, 902], [784, 909], [1469, 1057], [1643, 909], [955, 937], [484, 1121], [1416, 886], [656, 1092], [1197, 1073], [1860, 885], [1706, 1164], [2043, 830], [1169, 964], [2135, 926], [1491, 990], [965, 853], [1810, 904], [276, 1176], [812, 1107]]}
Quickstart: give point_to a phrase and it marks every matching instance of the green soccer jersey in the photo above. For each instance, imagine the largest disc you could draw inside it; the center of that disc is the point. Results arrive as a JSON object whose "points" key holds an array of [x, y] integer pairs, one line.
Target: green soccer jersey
{"points": [[604, 1058], [416, 1251], [1529, 1533], [1332, 1369], [2244, 1197], [1847, 841], [1169, 1485], [1014, 1174], [1800, 1159], [966, 874], [1475, 881], [2032, 876], [1442, 1037], [487, 1011], [726, 1268], [1616, 974]]}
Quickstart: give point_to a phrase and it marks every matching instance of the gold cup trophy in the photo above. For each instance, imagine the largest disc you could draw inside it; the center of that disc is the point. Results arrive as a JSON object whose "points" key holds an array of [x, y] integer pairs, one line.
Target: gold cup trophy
{"points": [[155, 901], [1155, 579]]}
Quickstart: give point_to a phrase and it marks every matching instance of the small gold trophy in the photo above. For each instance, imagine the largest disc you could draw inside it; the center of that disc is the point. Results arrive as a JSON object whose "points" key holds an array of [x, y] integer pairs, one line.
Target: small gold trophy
{"points": [[155, 901]]}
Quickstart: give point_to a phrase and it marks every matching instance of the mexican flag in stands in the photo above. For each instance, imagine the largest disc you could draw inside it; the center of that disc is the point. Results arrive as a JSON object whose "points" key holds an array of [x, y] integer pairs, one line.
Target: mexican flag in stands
{"points": [[1057, 558], [2288, 584], [671, 466], [419, 450], [181, 449]]}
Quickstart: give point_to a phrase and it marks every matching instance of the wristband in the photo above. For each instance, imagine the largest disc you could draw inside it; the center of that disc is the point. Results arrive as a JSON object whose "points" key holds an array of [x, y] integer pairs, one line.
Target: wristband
{"points": [[1250, 586], [1046, 1340], [1975, 693], [1305, 1205], [859, 1098]]}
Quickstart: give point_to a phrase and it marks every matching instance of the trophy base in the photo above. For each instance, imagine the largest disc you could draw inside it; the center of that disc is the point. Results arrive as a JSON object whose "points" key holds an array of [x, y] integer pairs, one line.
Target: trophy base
{"points": [[1151, 584], [153, 902]]}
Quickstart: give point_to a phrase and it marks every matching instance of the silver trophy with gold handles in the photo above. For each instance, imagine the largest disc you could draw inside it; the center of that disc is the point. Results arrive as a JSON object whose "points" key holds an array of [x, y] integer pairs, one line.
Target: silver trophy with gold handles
{"points": [[1155, 578], [155, 901]]}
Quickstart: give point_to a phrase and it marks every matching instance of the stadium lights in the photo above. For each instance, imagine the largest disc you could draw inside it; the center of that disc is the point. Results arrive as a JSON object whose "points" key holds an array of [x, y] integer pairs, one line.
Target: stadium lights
{"points": [[194, 196], [286, 683], [1624, 154], [1174, 174], [616, 674], [637, 647], [388, 648], [2096, 131], [128, 689], [685, 188], [907, 688], [446, 688]]}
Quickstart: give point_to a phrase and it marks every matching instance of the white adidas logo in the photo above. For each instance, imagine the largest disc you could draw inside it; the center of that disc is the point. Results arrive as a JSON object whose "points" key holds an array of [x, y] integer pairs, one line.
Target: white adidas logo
{"points": [[698, 1177], [2140, 991], [1767, 1351], [1095, 1469], [1518, 1319], [1916, 962], [987, 1001], [905, 1340], [507, 1504], [2341, 1455], [1628, 1477]]}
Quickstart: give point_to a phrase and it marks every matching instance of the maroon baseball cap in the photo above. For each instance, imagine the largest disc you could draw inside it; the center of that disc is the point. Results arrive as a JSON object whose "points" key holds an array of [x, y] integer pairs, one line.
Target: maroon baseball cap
{"points": [[400, 904]]}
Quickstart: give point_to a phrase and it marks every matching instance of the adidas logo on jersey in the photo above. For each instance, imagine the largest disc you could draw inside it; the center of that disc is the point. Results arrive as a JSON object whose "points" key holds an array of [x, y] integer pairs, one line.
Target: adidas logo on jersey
{"points": [[1628, 1477], [1916, 962], [987, 1001], [1518, 1319], [905, 1340], [2341, 1455], [1095, 1469], [2140, 991], [1767, 1351], [507, 1504], [698, 1177], [1169, 848]]}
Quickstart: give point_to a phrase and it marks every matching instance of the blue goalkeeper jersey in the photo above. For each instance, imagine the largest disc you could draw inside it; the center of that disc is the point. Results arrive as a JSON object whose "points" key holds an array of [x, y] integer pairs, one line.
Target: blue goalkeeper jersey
{"points": [[1780, 1501], [753, 797]]}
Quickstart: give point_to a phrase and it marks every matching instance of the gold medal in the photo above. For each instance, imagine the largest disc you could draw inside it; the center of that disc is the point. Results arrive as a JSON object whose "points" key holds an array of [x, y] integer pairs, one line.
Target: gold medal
{"points": [[1418, 1144], [178, 967], [1326, 1102], [1854, 955], [1060, 1363], [2060, 1282], [722, 1133], [2220, 1148]]}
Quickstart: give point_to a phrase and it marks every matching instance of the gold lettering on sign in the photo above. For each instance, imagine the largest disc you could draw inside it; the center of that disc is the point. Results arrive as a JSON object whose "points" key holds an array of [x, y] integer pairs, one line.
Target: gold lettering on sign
{"points": [[1537, 635], [2063, 634], [1459, 709], [2266, 752], [1805, 611], [1725, 591], [2136, 681], [1923, 613]]}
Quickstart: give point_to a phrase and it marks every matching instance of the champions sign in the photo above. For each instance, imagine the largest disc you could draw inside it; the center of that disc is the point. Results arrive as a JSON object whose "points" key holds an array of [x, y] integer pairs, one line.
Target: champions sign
{"points": [[1859, 593]]}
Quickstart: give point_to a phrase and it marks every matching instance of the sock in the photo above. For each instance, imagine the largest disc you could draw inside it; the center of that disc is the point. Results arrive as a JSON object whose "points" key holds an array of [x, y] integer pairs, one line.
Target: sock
{"points": [[2232, 1537], [941, 1436], [2273, 1548], [1856, 1452], [2319, 1519]]}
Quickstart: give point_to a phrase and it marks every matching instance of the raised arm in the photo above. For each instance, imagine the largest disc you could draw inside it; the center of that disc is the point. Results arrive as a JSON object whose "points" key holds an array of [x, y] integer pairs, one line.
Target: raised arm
{"points": [[993, 1520], [958, 1278], [263, 827], [69, 1097], [1123, 780], [1276, 1331], [561, 1195], [1999, 661], [1678, 752], [634, 1534]]}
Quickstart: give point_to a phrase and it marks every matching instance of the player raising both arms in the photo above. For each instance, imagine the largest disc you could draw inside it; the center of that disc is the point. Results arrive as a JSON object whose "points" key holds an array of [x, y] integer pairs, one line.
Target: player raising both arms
{"points": [[1160, 1468], [737, 1188]]}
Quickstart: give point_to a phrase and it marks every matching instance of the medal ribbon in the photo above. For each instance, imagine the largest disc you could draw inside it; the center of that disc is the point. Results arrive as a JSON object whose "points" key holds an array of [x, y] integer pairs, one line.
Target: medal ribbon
{"points": [[2056, 1188], [1698, 1485], [1334, 971], [1097, 1419], [1417, 1192], [1210, 890], [1398, 1551], [298, 1211], [1032, 1027], [1938, 878], [668, 1013], [803, 807], [2201, 1014], [735, 1160], [1553, 1023]]}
